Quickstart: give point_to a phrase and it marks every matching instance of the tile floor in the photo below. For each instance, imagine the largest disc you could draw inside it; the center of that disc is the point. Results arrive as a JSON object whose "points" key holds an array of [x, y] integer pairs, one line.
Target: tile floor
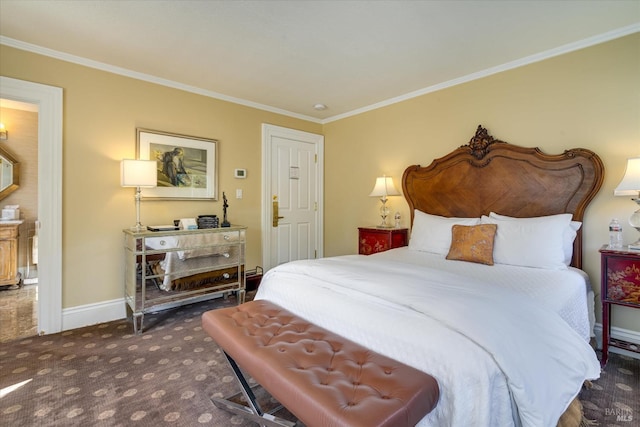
{"points": [[18, 312]]}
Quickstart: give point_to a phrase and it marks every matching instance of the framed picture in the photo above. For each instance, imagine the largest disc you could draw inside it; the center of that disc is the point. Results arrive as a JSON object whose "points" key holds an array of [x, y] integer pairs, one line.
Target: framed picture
{"points": [[187, 165]]}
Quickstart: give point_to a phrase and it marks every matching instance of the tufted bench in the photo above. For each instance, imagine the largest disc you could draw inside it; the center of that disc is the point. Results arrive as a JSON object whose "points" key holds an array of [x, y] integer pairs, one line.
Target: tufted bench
{"points": [[320, 377]]}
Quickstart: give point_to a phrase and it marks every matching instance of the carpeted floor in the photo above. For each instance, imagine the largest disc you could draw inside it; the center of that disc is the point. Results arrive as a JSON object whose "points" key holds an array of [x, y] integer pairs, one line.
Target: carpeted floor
{"points": [[614, 399], [104, 375]]}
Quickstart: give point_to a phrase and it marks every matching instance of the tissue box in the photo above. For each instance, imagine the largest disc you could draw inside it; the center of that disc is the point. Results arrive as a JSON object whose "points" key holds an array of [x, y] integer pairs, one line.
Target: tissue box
{"points": [[188, 224], [10, 213]]}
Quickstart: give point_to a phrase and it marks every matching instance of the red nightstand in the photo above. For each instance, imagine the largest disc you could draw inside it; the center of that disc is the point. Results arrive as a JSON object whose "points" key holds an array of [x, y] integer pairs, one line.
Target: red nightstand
{"points": [[372, 240], [620, 281]]}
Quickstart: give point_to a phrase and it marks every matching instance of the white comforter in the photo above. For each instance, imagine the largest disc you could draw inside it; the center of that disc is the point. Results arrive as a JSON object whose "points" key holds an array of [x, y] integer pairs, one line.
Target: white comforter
{"points": [[567, 292], [500, 358]]}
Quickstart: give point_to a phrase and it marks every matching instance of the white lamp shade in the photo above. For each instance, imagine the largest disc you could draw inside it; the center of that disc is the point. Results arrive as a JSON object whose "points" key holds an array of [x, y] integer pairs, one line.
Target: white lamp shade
{"points": [[630, 184], [384, 187], [138, 173]]}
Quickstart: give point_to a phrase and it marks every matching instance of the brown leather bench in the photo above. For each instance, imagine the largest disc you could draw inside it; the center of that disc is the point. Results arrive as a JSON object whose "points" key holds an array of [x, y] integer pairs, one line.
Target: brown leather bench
{"points": [[322, 378]]}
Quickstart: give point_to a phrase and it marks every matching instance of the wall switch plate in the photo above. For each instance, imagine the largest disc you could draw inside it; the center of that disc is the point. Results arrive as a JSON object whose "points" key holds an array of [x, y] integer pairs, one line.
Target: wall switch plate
{"points": [[239, 193]]}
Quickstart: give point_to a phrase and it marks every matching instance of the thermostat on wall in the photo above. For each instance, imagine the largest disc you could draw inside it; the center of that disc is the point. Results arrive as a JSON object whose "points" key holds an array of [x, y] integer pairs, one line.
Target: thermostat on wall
{"points": [[240, 173]]}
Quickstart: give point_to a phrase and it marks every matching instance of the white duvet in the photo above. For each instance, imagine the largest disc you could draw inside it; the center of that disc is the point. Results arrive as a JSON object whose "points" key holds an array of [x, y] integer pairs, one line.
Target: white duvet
{"points": [[501, 356]]}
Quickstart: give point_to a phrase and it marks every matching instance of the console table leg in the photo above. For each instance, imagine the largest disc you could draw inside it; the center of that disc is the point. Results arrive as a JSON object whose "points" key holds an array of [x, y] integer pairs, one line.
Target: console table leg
{"points": [[138, 318]]}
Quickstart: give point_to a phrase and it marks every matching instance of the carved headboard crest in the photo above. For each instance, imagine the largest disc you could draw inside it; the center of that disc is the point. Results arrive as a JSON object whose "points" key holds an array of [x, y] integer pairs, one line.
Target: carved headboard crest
{"points": [[479, 144]]}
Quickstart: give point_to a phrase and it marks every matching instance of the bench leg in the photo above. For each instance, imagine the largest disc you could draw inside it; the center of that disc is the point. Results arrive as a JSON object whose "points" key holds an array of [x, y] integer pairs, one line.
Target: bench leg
{"points": [[253, 411]]}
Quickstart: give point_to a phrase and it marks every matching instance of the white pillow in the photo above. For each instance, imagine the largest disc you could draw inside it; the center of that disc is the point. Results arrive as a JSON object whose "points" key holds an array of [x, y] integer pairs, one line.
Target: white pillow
{"points": [[530, 242], [568, 236], [432, 233]]}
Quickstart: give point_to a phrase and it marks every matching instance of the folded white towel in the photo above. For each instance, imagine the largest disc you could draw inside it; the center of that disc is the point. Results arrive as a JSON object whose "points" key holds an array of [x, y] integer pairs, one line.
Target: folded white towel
{"points": [[34, 249]]}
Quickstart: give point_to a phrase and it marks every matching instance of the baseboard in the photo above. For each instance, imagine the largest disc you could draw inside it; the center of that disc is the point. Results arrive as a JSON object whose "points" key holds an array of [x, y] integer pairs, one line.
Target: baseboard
{"points": [[91, 314], [621, 334]]}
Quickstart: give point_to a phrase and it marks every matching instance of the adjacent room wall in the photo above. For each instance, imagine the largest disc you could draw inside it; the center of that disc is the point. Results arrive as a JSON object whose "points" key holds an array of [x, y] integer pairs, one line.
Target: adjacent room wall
{"points": [[589, 98], [22, 145]]}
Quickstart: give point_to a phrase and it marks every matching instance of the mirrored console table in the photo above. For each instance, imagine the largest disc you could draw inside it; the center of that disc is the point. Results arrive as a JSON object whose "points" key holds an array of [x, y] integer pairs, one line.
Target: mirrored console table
{"points": [[167, 269]]}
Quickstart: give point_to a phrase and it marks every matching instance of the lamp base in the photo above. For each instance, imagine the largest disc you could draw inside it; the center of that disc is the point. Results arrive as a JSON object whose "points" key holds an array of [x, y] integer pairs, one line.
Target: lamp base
{"points": [[384, 213], [138, 227], [634, 221]]}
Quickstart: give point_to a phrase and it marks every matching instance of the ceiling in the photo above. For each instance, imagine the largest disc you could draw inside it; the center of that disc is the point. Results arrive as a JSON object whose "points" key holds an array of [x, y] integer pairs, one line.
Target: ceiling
{"points": [[287, 56]]}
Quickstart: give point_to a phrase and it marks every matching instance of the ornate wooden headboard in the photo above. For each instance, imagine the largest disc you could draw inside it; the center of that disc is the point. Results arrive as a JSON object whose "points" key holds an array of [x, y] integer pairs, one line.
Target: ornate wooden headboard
{"points": [[491, 175]]}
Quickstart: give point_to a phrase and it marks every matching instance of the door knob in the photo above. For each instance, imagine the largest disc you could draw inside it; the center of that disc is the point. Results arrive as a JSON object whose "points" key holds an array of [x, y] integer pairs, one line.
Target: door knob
{"points": [[276, 218]]}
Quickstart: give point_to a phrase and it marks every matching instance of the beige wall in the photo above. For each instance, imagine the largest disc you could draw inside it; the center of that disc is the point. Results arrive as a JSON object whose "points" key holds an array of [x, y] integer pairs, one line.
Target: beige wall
{"points": [[589, 98], [101, 113]]}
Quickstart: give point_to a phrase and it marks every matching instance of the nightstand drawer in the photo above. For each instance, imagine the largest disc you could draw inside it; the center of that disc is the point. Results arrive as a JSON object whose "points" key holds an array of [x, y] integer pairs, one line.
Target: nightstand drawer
{"points": [[622, 283], [372, 240]]}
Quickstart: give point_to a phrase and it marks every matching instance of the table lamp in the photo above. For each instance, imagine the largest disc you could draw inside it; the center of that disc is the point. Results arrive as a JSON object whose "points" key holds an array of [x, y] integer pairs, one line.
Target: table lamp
{"points": [[138, 174], [630, 186], [384, 187]]}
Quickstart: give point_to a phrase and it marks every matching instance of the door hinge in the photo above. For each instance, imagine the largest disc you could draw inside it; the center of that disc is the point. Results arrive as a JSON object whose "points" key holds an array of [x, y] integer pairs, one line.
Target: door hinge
{"points": [[315, 206], [315, 253], [315, 158]]}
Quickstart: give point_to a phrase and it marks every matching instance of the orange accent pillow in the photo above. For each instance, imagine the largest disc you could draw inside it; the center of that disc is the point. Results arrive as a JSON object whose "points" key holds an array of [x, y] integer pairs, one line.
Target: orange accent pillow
{"points": [[472, 243]]}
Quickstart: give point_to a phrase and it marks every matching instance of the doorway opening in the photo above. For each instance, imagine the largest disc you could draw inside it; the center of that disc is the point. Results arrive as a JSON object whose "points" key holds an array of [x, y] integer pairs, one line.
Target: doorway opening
{"points": [[48, 99], [18, 223]]}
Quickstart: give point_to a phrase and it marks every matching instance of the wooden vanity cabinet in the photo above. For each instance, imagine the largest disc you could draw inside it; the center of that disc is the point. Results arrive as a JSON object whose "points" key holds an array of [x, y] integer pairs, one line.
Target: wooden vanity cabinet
{"points": [[9, 253]]}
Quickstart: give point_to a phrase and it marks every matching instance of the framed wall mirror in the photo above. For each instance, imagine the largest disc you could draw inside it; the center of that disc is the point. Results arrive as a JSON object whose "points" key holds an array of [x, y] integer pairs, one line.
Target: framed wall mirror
{"points": [[9, 174]]}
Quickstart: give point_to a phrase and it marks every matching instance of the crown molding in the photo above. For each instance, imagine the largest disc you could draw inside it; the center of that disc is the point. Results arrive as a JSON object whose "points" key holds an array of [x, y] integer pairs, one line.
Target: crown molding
{"points": [[145, 77], [567, 48], [561, 50]]}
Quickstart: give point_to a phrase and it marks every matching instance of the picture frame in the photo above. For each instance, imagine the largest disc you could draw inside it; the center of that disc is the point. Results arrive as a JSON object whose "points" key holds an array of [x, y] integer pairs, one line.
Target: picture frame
{"points": [[187, 165]]}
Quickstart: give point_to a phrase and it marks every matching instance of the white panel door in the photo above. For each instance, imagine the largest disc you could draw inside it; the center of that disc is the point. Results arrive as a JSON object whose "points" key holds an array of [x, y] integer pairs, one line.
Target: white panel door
{"points": [[292, 177]]}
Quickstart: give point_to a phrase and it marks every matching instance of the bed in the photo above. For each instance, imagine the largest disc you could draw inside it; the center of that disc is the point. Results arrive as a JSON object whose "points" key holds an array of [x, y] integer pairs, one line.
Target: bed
{"points": [[488, 297]]}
